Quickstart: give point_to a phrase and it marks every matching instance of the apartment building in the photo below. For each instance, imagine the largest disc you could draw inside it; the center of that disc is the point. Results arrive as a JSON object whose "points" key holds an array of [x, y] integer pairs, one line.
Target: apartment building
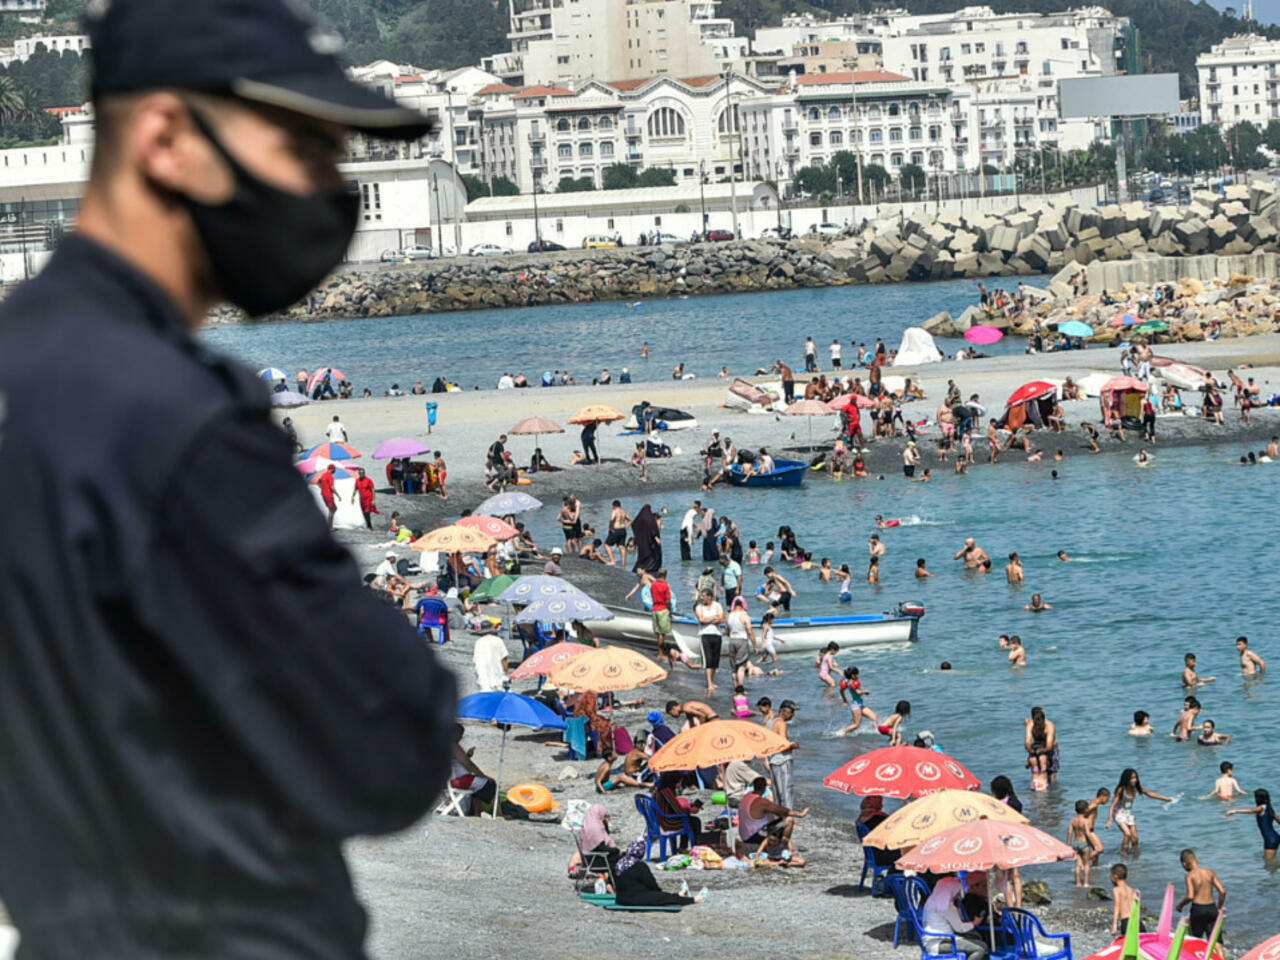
{"points": [[897, 120], [1239, 79], [565, 42]]}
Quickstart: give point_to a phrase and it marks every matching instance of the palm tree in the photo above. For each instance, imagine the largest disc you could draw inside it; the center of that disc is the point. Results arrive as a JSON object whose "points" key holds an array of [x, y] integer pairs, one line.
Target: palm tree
{"points": [[13, 101]]}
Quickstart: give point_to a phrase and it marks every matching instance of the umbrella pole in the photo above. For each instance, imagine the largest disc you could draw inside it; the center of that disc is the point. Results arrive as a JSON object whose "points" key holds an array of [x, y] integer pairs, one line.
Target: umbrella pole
{"points": [[497, 784], [991, 925]]}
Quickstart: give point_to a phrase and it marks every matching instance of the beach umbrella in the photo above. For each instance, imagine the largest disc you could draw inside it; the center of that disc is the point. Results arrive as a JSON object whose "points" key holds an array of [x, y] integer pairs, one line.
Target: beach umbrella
{"points": [[1153, 326], [1030, 391], [607, 668], [716, 742], [810, 409], [289, 398], [1124, 385], [273, 374], [1267, 950], [983, 334], [400, 448], [340, 472], [904, 771], [1075, 328], [317, 464], [564, 608], [548, 659], [1125, 320], [498, 529], [919, 820], [596, 413], [502, 504], [491, 589], [534, 586], [508, 709], [842, 401], [333, 451], [535, 427], [453, 539], [982, 845], [336, 375]]}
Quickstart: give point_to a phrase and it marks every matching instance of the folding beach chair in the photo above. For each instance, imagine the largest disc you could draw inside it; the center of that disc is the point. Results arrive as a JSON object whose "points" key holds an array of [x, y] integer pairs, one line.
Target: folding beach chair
{"points": [[450, 804]]}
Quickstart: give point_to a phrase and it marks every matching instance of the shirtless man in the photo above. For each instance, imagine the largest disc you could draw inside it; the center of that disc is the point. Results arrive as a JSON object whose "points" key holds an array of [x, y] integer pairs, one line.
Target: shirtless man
{"points": [[1186, 720], [1017, 652], [1189, 676], [993, 443], [1062, 555], [633, 765], [1091, 435], [1013, 572], [1250, 662], [1201, 883], [1037, 604], [619, 520], [695, 712], [1273, 448], [974, 556], [876, 547]]}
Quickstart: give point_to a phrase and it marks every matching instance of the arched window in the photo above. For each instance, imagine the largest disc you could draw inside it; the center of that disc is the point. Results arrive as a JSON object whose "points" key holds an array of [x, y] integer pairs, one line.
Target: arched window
{"points": [[935, 158], [833, 113], [729, 121], [895, 134], [895, 159], [564, 150], [585, 150], [606, 149], [666, 122], [916, 133], [815, 113], [878, 159], [914, 110], [894, 110], [562, 123], [835, 138], [815, 139], [584, 123], [874, 111], [917, 158]]}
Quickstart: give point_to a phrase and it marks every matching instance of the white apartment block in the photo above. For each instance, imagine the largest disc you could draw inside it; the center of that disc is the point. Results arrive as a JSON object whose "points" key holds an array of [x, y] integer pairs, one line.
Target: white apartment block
{"points": [[570, 41], [1239, 80], [897, 121], [686, 125], [24, 48], [31, 11]]}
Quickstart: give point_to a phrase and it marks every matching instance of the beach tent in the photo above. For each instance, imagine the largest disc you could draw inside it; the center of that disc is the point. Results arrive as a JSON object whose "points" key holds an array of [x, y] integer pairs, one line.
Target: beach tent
{"points": [[917, 346], [1123, 394], [1031, 403]]}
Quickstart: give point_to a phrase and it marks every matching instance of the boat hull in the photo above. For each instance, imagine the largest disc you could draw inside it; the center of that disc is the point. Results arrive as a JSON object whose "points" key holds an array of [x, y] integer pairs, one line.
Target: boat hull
{"points": [[795, 635], [786, 473]]}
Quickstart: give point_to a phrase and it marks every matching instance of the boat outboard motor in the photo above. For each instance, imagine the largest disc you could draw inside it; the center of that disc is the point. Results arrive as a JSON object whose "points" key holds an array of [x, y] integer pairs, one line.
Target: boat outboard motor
{"points": [[913, 609]]}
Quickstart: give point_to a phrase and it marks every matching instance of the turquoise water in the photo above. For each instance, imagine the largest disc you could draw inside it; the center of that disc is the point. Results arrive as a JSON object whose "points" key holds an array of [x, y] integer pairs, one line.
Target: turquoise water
{"points": [[744, 331], [1167, 560]]}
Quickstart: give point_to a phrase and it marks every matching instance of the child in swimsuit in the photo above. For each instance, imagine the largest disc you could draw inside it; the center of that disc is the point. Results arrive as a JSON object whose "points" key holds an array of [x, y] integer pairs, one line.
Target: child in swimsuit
{"points": [[768, 639], [892, 726], [851, 693], [826, 663], [753, 553], [741, 708], [1267, 820], [1078, 836]]}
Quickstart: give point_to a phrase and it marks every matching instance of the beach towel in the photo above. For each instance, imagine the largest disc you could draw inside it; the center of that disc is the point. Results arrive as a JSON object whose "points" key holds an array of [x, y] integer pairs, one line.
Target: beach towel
{"points": [[575, 735]]}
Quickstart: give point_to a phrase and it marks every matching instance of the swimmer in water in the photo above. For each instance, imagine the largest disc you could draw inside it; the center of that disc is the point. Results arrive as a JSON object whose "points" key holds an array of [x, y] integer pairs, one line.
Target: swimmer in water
{"points": [[852, 693], [1267, 821], [826, 663], [1225, 787], [1017, 652], [1062, 555], [1013, 570], [1091, 436], [1037, 604], [1189, 676], [892, 726], [873, 570], [876, 547], [1141, 724], [921, 572], [882, 523], [973, 554], [1250, 662], [1186, 720], [1210, 737], [1142, 459]]}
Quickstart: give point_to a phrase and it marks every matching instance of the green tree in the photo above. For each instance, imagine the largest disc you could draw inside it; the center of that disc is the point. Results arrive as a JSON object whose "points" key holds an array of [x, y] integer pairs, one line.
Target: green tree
{"points": [[913, 177], [815, 180], [502, 187], [13, 101], [619, 176], [657, 177], [874, 174], [571, 185], [476, 187], [1271, 135]]}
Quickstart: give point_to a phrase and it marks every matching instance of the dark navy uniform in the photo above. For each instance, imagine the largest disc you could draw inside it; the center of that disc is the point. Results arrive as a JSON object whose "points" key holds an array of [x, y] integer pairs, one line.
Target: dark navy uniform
{"points": [[198, 700]]}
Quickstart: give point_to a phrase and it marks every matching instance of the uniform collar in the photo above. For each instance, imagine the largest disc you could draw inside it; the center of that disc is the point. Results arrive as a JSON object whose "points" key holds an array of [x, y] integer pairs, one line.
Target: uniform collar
{"points": [[118, 280]]}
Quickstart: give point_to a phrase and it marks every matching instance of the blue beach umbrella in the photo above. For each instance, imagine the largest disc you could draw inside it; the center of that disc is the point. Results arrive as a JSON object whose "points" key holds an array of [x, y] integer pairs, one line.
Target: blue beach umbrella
{"points": [[563, 608], [273, 374], [508, 709], [502, 504], [1075, 328], [534, 587]]}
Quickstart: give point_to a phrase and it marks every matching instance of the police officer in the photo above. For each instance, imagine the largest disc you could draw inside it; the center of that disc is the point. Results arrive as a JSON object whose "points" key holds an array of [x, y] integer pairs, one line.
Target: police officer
{"points": [[198, 701]]}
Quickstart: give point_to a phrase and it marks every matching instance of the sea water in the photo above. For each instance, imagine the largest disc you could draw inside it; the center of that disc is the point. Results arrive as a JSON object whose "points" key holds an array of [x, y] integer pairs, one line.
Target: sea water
{"points": [[742, 331], [1176, 558]]}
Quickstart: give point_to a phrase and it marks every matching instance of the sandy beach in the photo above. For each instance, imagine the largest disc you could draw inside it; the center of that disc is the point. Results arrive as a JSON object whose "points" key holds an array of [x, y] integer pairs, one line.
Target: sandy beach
{"points": [[517, 901]]}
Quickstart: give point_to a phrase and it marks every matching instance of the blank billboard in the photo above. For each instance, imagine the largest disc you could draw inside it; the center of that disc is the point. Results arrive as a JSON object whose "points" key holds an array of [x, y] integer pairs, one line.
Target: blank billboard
{"points": [[1140, 94]]}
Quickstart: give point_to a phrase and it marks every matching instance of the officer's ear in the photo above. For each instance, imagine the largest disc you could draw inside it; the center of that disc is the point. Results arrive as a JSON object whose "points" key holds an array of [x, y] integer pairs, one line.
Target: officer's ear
{"points": [[169, 150]]}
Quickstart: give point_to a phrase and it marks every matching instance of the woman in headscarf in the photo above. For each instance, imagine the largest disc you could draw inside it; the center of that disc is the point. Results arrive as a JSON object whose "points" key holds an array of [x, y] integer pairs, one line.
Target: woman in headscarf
{"points": [[586, 707], [636, 886], [941, 914], [595, 836], [707, 527], [648, 532], [871, 814]]}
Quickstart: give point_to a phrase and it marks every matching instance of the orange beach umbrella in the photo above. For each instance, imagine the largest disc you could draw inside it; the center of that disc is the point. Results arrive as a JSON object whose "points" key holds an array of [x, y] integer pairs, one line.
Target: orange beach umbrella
{"points": [[596, 413], [715, 742], [495, 527], [919, 820], [453, 539], [605, 669]]}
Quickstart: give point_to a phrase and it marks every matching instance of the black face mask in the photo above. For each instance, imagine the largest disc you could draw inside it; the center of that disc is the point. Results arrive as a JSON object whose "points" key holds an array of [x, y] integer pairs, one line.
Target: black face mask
{"points": [[270, 247]]}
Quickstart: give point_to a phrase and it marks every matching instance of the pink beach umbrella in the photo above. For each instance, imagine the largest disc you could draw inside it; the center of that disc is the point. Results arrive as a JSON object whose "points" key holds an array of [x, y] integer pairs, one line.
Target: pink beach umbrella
{"points": [[983, 335]]}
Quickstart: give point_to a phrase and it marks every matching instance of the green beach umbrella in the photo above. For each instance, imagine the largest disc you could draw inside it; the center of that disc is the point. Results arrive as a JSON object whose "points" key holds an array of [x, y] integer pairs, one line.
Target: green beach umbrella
{"points": [[1152, 326], [492, 588]]}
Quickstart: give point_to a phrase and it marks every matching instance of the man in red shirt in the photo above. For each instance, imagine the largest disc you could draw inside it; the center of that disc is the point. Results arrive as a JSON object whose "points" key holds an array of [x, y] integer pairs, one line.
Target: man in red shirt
{"points": [[660, 591], [326, 483], [364, 488]]}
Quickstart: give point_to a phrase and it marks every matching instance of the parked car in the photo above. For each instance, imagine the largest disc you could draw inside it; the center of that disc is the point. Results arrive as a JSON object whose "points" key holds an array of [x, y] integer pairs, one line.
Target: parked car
{"points": [[669, 238], [827, 229], [1155, 196], [416, 252], [599, 242], [719, 236], [489, 250], [775, 233], [545, 246]]}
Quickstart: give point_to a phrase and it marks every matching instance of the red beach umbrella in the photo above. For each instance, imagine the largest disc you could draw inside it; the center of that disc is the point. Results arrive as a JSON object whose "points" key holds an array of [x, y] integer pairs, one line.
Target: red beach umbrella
{"points": [[548, 659], [497, 528], [984, 844], [1030, 391], [903, 772]]}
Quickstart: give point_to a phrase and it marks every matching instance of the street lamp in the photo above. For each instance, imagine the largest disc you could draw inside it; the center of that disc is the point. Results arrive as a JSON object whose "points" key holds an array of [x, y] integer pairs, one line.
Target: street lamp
{"points": [[728, 119], [702, 195], [435, 190]]}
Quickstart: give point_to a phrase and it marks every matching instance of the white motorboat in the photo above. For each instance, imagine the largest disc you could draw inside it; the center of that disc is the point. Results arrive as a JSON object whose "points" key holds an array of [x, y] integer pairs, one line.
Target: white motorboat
{"points": [[794, 634]]}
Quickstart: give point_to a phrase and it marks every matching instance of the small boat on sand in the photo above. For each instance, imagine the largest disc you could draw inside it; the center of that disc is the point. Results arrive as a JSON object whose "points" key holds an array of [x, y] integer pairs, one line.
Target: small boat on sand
{"points": [[785, 473], [794, 634]]}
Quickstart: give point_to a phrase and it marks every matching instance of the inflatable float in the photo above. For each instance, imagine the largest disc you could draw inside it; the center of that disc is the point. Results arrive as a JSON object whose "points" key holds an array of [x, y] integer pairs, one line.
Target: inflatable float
{"points": [[534, 797], [1166, 943]]}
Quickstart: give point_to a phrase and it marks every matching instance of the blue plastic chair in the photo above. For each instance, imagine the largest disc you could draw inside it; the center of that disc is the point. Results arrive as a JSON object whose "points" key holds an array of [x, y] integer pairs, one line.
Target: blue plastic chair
{"points": [[653, 830], [948, 938], [869, 861], [909, 893], [1030, 934], [433, 614]]}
